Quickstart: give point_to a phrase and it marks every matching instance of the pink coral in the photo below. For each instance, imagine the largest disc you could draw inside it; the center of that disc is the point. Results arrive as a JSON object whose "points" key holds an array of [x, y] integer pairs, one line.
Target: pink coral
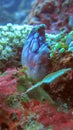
{"points": [[8, 83]]}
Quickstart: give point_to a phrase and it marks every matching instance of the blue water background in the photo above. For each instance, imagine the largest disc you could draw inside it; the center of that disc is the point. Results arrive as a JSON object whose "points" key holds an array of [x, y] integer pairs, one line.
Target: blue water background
{"points": [[14, 11]]}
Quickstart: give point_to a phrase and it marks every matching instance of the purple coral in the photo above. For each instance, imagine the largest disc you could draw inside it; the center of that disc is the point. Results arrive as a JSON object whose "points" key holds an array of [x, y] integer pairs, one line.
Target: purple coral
{"points": [[35, 53]]}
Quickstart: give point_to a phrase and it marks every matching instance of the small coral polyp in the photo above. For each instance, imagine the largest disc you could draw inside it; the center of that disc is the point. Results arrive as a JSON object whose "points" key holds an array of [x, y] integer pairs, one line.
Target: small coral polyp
{"points": [[12, 38]]}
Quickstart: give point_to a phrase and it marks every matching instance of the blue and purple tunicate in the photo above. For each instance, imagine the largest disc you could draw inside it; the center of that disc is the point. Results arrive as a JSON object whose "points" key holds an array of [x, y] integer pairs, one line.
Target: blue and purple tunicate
{"points": [[35, 53]]}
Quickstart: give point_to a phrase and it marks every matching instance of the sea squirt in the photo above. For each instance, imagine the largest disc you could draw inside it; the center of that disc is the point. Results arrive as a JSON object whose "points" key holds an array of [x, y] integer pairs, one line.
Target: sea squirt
{"points": [[35, 54]]}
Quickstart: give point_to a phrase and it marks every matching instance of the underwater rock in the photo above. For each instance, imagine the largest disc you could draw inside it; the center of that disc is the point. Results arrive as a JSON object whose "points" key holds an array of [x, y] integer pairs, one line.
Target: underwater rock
{"points": [[54, 13], [35, 53]]}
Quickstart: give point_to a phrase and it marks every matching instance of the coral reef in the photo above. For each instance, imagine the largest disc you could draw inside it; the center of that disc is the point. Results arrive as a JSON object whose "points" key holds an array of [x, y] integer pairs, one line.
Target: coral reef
{"points": [[55, 14], [12, 38], [18, 111], [36, 65], [58, 49]]}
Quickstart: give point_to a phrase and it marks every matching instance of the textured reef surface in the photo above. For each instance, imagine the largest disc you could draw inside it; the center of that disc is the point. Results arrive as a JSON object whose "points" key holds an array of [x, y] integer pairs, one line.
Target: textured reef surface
{"points": [[36, 68], [56, 14], [33, 59]]}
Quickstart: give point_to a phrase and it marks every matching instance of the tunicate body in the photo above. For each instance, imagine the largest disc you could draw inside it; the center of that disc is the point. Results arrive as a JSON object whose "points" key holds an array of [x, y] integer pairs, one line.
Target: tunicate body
{"points": [[35, 54]]}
